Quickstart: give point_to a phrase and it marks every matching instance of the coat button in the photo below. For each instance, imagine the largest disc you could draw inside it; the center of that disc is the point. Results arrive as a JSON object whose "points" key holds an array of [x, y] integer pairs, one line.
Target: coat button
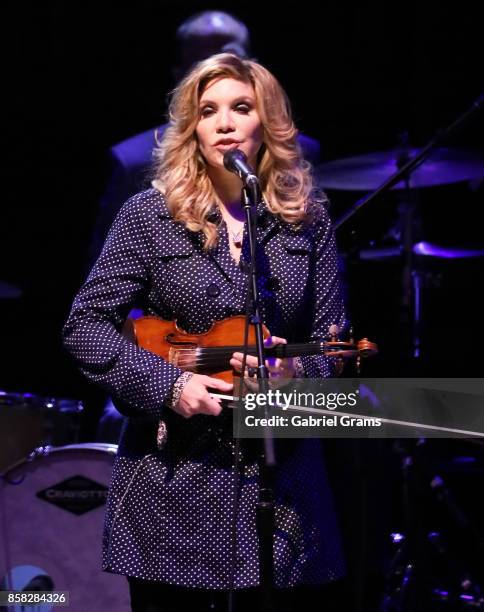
{"points": [[213, 290]]}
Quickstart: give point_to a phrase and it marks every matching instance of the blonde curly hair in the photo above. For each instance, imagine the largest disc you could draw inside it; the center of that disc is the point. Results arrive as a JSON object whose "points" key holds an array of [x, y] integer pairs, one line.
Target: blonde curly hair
{"points": [[180, 171]]}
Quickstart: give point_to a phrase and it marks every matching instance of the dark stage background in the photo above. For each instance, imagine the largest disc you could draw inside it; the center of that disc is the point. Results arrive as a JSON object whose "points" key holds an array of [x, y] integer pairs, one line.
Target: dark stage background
{"points": [[81, 76]]}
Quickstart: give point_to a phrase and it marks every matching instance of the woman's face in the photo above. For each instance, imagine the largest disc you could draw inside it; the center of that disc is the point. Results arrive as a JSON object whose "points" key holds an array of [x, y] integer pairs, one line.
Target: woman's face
{"points": [[228, 119]]}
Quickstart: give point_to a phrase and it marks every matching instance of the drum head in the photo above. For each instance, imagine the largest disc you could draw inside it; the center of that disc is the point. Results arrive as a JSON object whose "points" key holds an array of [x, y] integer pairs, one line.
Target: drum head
{"points": [[52, 511]]}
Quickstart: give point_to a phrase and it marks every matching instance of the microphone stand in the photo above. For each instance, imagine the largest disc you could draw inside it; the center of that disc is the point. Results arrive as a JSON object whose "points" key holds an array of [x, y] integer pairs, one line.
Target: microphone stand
{"points": [[265, 504]]}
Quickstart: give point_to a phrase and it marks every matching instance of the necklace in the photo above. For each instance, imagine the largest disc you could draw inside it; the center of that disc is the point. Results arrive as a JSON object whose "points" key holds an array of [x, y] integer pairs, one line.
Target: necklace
{"points": [[237, 236]]}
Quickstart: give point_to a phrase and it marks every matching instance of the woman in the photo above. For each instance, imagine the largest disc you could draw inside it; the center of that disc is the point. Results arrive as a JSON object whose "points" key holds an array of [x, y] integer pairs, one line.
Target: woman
{"points": [[179, 250]]}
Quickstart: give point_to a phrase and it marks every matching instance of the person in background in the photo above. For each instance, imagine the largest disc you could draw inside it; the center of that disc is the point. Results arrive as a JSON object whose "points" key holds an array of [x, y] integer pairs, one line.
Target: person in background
{"points": [[200, 36]]}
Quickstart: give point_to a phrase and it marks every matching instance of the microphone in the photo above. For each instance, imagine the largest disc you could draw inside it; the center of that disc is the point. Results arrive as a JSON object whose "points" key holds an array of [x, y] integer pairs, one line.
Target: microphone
{"points": [[236, 161]]}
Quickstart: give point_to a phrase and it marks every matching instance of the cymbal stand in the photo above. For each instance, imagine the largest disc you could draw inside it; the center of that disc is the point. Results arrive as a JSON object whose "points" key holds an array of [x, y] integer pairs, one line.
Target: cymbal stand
{"points": [[411, 278], [412, 164], [408, 583]]}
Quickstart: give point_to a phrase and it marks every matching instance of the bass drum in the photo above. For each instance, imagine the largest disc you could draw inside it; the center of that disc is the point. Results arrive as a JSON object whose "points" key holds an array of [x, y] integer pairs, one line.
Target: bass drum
{"points": [[51, 522]]}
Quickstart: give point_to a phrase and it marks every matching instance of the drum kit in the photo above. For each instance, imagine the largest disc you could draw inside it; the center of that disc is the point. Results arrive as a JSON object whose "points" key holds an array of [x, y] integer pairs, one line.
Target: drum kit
{"points": [[437, 561], [403, 249], [52, 506], [366, 173], [52, 496]]}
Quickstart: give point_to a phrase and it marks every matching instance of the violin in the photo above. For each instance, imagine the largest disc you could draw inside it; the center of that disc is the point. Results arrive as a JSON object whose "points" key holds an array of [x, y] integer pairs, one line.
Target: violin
{"points": [[209, 353]]}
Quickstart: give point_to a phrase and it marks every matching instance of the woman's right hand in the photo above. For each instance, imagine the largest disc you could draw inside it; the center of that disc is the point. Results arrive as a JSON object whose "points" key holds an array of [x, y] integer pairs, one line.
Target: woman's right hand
{"points": [[196, 399]]}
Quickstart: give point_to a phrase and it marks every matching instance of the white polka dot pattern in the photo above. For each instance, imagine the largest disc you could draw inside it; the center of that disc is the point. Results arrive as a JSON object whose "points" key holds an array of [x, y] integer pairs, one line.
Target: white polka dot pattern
{"points": [[169, 511]]}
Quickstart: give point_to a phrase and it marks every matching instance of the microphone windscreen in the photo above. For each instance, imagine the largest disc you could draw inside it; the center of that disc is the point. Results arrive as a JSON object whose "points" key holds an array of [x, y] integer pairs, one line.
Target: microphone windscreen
{"points": [[230, 158]]}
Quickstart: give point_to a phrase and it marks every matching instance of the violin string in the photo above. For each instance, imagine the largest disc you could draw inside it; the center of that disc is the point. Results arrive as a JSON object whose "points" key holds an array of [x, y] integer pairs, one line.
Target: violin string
{"points": [[206, 361], [303, 347], [213, 357]]}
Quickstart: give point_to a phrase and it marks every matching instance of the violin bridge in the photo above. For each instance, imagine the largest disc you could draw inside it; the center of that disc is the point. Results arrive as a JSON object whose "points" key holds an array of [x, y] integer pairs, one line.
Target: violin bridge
{"points": [[184, 358], [173, 356]]}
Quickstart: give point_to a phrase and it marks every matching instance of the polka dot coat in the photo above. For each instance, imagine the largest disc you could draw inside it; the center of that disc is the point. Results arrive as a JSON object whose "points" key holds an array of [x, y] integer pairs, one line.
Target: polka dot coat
{"points": [[171, 513]]}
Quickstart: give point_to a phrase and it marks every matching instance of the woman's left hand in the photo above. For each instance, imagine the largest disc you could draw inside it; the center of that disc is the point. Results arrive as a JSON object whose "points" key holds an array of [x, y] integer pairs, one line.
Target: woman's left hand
{"points": [[277, 367]]}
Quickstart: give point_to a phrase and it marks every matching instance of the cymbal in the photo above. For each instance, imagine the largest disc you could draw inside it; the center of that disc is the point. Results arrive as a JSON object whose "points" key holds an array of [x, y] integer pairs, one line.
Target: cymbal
{"points": [[367, 172], [426, 249], [9, 292]]}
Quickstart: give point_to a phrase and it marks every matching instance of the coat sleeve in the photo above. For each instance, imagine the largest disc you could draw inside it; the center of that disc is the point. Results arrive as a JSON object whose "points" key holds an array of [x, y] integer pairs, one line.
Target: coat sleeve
{"points": [[92, 334], [328, 307]]}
